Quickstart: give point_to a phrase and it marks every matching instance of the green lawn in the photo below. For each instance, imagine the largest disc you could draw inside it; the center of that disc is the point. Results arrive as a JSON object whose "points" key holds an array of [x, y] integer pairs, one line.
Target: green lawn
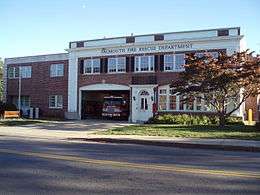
{"points": [[19, 122], [228, 132]]}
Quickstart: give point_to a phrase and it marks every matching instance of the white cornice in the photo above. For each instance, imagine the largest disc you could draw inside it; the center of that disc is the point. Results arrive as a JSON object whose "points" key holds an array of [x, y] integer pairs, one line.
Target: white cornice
{"points": [[209, 39]]}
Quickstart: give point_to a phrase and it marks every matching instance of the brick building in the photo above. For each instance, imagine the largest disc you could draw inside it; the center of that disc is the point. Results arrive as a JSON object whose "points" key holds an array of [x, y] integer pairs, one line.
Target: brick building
{"points": [[138, 68]]}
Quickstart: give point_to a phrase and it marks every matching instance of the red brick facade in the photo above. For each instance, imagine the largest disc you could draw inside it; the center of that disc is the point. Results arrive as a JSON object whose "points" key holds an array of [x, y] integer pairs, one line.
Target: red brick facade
{"points": [[40, 86]]}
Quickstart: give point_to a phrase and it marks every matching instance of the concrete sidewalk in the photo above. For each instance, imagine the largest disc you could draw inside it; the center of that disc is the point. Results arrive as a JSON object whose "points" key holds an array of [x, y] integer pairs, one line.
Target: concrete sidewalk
{"points": [[83, 131]]}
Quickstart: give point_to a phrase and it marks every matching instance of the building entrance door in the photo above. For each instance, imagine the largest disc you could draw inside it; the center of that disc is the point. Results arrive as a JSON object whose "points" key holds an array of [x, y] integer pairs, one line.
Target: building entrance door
{"points": [[145, 105]]}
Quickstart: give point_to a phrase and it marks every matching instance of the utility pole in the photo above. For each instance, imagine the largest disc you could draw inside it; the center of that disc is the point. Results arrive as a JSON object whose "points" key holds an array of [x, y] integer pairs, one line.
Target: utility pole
{"points": [[19, 88]]}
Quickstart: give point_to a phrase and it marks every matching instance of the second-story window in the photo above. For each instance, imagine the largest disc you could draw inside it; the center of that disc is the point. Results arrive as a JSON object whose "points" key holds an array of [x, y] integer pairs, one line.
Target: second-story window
{"points": [[57, 70], [174, 62], [117, 64], [91, 66], [26, 71], [144, 63], [13, 72]]}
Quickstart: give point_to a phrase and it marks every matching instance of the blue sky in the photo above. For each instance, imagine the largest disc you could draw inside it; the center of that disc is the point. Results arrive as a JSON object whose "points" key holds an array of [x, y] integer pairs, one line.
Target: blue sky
{"points": [[30, 27]]}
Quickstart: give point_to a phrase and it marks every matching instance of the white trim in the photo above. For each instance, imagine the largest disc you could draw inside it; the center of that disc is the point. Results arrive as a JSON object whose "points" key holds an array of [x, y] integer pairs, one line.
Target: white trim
{"points": [[150, 64], [54, 70], [192, 40], [104, 87], [116, 60], [167, 88], [173, 63], [143, 86], [92, 66], [72, 83]]}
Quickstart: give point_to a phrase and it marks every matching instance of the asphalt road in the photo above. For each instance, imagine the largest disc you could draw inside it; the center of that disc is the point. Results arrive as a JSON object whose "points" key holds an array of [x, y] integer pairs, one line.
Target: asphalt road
{"points": [[62, 167]]}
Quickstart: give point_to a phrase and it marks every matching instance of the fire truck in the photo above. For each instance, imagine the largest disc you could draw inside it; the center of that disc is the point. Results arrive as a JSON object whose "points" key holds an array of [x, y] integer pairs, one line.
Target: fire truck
{"points": [[115, 107]]}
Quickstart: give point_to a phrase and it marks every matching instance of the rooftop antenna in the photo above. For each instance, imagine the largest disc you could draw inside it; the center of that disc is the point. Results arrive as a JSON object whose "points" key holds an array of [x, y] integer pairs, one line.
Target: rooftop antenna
{"points": [[132, 34]]}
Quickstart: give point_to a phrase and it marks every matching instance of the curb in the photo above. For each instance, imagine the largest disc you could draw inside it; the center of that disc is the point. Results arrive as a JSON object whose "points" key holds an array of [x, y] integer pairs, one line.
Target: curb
{"points": [[170, 144]]}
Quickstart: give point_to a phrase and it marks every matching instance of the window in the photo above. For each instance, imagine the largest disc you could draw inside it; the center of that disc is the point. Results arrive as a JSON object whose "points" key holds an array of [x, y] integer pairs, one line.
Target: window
{"points": [[13, 72], [199, 103], [162, 99], [117, 64], [144, 103], [190, 103], [214, 54], [92, 66], [168, 62], [25, 101], [182, 103], [144, 63], [57, 70], [170, 101], [55, 101], [26, 71], [174, 62]]}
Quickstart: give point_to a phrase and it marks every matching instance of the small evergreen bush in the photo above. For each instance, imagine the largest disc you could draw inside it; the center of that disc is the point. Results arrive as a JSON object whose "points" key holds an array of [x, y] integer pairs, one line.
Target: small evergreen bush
{"points": [[187, 119]]}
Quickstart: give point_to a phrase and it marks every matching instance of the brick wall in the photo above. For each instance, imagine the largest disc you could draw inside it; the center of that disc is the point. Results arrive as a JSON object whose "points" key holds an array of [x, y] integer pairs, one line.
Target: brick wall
{"points": [[40, 86], [251, 103]]}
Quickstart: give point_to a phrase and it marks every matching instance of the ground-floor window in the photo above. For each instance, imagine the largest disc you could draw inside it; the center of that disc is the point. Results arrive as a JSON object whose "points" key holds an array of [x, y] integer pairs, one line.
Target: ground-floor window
{"points": [[168, 101], [162, 99], [25, 101], [55, 101]]}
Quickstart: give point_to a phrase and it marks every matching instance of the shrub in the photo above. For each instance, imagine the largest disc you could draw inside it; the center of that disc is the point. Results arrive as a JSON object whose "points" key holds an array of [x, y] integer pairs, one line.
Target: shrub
{"points": [[232, 120], [183, 119], [186, 119]]}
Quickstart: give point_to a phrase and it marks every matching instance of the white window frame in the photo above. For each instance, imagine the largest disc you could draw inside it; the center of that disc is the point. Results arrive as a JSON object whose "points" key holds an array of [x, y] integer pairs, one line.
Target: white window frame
{"points": [[54, 70], [56, 103], [150, 63], [116, 59], [173, 63], [178, 98], [214, 54], [26, 72], [15, 72], [92, 62]]}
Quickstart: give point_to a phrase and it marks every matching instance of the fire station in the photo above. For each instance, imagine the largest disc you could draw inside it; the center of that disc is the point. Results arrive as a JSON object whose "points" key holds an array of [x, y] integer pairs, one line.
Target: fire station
{"points": [[125, 77]]}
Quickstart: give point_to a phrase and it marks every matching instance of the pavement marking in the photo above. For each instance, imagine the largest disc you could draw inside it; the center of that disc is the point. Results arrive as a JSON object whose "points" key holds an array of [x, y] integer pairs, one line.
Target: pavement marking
{"points": [[136, 165]]}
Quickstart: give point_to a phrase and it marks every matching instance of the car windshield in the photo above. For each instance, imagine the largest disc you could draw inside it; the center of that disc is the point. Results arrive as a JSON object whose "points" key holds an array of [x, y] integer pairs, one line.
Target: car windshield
{"points": [[113, 101]]}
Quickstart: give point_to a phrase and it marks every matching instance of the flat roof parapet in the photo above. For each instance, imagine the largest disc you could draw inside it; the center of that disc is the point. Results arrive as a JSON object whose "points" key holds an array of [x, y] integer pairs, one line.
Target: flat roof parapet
{"points": [[168, 36], [37, 58]]}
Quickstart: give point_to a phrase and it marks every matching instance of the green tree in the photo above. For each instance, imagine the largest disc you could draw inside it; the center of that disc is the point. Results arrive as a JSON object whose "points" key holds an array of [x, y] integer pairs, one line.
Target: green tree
{"points": [[224, 82]]}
